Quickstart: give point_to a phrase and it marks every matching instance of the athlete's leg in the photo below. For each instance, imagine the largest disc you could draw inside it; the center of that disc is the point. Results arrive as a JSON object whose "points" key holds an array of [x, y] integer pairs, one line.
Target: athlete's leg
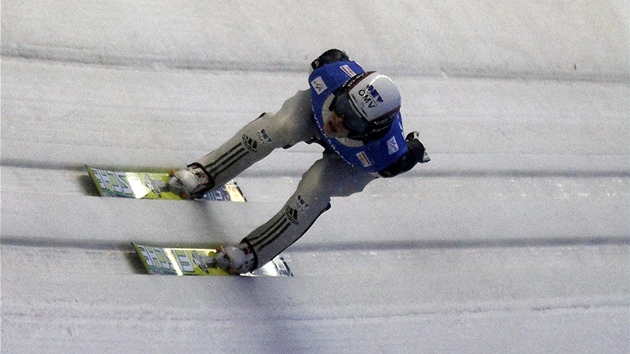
{"points": [[328, 177], [293, 123]]}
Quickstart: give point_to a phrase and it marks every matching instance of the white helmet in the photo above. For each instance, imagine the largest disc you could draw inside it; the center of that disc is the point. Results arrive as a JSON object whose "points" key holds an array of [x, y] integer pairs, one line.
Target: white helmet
{"points": [[368, 103]]}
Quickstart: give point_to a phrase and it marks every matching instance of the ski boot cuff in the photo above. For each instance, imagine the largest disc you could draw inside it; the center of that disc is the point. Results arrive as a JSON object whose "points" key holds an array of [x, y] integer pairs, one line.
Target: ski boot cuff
{"points": [[206, 182], [248, 249]]}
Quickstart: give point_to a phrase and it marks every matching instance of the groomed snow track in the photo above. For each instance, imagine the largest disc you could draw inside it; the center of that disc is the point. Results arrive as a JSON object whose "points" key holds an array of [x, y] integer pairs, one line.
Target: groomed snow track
{"points": [[514, 238]]}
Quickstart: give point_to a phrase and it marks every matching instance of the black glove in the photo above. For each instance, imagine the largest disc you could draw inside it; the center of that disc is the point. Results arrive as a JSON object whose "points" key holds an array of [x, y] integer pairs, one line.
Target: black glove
{"points": [[329, 56], [415, 154], [417, 148]]}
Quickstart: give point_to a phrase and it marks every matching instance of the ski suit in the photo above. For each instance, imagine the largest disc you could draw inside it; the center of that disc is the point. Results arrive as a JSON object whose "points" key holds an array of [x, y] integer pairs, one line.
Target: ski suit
{"points": [[345, 168]]}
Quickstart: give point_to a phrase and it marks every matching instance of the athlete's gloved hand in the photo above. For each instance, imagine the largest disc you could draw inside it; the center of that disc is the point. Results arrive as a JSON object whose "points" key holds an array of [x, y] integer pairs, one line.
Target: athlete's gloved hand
{"points": [[417, 147], [416, 153], [329, 56]]}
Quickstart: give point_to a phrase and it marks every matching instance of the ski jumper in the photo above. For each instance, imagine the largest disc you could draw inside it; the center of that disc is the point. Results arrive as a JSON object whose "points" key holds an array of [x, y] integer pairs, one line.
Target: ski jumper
{"points": [[345, 168]]}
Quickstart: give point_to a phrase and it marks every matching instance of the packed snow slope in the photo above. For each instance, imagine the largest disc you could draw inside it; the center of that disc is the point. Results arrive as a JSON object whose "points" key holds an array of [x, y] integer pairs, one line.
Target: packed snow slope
{"points": [[514, 238]]}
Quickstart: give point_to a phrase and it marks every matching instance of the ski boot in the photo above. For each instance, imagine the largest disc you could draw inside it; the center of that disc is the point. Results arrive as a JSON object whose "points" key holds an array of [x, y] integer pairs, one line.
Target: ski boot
{"points": [[235, 260], [191, 182]]}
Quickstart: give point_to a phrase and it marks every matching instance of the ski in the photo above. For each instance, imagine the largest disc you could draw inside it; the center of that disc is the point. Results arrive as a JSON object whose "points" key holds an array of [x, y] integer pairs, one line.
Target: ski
{"points": [[151, 185], [197, 262]]}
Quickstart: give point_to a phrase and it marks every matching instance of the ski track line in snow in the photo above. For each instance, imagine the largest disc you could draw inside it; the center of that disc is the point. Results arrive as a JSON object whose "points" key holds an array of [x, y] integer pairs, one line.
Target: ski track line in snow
{"points": [[620, 172], [622, 240], [547, 306], [149, 62]]}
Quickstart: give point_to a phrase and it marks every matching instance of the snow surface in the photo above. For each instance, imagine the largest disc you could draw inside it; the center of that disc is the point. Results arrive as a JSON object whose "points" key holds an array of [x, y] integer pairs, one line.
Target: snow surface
{"points": [[514, 238]]}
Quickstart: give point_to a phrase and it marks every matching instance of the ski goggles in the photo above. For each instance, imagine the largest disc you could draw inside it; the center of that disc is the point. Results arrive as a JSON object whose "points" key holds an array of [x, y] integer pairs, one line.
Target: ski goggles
{"points": [[354, 122], [344, 108]]}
